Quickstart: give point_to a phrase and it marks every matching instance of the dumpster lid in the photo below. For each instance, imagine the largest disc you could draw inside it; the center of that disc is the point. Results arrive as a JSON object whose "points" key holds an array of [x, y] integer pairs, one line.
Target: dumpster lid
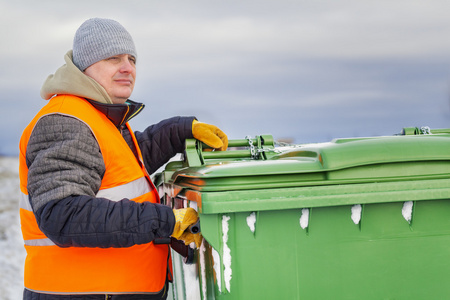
{"points": [[351, 160]]}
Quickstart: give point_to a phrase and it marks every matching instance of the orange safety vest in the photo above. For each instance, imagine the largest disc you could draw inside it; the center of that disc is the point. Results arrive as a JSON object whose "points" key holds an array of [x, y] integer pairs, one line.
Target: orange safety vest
{"points": [[82, 270]]}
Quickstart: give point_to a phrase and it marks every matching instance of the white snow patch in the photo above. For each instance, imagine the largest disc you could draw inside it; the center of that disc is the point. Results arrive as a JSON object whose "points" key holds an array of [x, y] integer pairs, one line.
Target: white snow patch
{"points": [[304, 219], [191, 281], [203, 267], [356, 213], [12, 251], [216, 266], [251, 221], [407, 210], [193, 204], [226, 253]]}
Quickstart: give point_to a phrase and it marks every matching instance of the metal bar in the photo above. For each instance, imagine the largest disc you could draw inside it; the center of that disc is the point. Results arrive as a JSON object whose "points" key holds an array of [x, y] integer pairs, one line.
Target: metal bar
{"points": [[226, 154]]}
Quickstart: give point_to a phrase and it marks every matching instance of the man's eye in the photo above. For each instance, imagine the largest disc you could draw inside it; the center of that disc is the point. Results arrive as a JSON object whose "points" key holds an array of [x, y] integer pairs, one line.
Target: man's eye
{"points": [[132, 60]]}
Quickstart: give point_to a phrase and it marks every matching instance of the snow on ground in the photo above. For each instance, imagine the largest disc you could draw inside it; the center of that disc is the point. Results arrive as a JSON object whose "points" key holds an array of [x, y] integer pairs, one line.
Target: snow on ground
{"points": [[12, 252]]}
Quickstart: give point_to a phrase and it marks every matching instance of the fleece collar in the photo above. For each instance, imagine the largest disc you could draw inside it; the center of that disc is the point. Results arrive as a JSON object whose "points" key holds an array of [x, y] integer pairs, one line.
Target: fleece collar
{"points": [[69, 80]]}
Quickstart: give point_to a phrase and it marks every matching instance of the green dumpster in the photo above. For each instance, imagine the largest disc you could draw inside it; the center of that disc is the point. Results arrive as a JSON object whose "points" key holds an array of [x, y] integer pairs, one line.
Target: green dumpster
{"points": [[356, 218]]}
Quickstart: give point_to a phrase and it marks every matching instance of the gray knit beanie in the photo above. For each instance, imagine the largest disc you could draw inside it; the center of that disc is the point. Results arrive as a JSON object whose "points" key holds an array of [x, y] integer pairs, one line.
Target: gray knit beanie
{"points": [[98, 39]]}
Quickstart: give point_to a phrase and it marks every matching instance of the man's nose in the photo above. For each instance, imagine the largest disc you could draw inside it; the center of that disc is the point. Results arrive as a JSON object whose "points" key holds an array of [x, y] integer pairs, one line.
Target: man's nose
{"points": [[126, 66]]}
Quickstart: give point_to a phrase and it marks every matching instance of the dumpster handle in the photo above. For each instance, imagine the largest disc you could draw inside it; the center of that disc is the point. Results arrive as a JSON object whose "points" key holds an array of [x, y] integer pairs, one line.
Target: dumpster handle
{"points": [[196, 152], [178, 246]]}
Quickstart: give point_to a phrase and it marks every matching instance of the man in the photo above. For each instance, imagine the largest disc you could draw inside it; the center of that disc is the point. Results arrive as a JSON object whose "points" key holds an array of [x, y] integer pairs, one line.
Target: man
{"points": [[89, 211]]}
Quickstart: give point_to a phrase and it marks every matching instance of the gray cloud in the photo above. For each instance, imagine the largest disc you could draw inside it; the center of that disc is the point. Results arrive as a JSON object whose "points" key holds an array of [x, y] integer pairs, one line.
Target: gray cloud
{"points": [[310, 70]]}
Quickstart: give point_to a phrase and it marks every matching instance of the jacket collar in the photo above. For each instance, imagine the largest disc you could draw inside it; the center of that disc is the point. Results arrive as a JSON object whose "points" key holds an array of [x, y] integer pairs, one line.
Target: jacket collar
{"points": [[119, 114], [69, 80]]}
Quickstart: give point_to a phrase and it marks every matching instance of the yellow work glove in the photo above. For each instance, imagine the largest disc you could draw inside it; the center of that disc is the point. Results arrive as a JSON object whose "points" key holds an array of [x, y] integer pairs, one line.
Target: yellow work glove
{"points": [[187, 237], [184, 218], [210, 135]]}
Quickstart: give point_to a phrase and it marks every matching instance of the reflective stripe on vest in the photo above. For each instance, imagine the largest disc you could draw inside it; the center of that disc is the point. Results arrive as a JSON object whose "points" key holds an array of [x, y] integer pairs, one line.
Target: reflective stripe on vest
{"points": [[27, 217], [75, 270], [129, 190]]}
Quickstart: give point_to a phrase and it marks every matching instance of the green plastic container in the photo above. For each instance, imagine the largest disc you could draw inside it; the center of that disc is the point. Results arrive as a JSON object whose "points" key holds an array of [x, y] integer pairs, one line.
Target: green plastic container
{"points": [[361, 218]]}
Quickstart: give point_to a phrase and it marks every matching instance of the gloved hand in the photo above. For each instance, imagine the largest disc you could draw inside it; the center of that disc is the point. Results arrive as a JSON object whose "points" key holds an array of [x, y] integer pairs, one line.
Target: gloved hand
{"points": [[184, 218], [210, 135], [187, 237]]}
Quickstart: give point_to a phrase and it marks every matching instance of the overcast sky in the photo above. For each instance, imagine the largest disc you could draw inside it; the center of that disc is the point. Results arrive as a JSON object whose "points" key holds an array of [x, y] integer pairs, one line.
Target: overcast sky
{"points": [[306, 70]]}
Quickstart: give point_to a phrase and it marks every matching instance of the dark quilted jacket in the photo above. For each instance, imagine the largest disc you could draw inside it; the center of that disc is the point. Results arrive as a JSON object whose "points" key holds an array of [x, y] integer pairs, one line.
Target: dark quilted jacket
{"points": [[65, 173], [66, 169]]}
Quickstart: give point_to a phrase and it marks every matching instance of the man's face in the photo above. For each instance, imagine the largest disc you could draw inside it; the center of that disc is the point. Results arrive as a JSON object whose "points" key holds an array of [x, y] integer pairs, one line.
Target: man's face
{"points": [[116, 75]]}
